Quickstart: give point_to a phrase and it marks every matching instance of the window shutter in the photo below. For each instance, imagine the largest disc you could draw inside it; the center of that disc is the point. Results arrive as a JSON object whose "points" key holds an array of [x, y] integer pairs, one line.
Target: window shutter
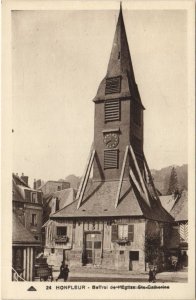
{"points": [[114, 232], [39, 197], [28, 195], [131, 233]]}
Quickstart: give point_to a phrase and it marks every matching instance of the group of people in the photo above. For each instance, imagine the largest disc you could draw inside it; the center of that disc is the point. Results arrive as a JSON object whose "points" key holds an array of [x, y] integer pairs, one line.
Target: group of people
{"points": [[152, 274]]}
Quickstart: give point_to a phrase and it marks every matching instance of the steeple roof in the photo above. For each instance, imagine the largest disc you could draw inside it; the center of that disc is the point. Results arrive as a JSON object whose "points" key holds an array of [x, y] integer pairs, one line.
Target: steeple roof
{"points": [[120, 64], [120, 59]]}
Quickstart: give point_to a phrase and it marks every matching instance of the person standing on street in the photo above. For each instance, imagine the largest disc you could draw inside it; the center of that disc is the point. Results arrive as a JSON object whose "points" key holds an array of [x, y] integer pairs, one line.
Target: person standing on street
{"points": [[150, 279], [61, 275], [154, 272], [65, 273]]}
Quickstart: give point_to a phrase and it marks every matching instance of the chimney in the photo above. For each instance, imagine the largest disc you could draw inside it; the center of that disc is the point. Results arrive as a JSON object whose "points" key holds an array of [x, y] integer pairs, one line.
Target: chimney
{"points": [[25, 178], [34, 184]]}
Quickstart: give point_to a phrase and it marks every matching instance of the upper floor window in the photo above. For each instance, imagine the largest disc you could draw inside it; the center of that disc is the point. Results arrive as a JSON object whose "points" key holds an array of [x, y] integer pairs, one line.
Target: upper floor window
{"points": [[112, 110], [34, 219], [34, 197], [61, 231], [123, 231], [113, 85]]}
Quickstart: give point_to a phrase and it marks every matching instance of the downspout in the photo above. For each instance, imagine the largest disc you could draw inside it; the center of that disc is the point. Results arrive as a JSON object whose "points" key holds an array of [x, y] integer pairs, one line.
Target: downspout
{"points": [[102, 242]]}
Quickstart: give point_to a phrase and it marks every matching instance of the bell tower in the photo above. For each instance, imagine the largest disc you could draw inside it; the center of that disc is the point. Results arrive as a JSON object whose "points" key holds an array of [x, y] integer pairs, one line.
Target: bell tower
{"points": [[118, 118], [117, 153]]}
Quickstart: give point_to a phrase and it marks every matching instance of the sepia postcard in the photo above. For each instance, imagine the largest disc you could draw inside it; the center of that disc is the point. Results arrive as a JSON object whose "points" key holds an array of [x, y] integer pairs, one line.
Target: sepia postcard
{"points": [[98, 157]]}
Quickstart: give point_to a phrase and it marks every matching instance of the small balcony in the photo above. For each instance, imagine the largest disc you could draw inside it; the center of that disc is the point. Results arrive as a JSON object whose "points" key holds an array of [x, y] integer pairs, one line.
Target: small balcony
{"points": [[122, 241]]}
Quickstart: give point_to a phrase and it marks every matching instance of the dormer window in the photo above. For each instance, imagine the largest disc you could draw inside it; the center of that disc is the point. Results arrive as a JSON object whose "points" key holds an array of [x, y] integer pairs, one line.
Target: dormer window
{"points": [[113, 85]]}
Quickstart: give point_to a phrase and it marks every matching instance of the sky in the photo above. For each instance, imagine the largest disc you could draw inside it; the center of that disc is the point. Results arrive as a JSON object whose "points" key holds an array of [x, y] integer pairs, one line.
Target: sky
{"points": [[58, 61]]}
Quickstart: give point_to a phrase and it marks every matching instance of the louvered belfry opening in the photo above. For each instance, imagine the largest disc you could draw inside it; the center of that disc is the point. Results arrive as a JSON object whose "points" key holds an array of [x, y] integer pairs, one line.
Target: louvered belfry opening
{"points": [[111, 159], [113, 85], [112, 110]]}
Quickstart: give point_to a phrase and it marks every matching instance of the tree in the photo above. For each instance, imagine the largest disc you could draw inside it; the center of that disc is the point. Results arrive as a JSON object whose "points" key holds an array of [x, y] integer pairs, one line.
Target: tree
{"points": [[173, 183], [152, 248]]}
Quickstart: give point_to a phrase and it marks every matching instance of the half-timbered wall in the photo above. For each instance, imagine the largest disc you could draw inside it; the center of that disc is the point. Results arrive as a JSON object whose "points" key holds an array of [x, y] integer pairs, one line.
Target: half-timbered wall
{"points": [[112, 253]]}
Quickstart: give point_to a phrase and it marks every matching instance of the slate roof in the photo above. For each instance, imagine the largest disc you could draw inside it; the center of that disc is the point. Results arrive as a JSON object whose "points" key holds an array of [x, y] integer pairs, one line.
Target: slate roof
{"points": [[20, 235], [18, 189], [99, 201], [19, 181], [167, 202], [65, 196], [180, 209]]}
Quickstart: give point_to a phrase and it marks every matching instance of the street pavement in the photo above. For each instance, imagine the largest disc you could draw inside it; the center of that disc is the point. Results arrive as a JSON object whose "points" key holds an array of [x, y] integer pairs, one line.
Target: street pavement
{"points": [[89, 275]]}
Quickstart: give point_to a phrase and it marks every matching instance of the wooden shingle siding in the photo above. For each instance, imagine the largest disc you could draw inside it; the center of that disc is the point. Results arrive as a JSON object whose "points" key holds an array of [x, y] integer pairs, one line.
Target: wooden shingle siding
{"points": [[183, 232], [113, 85], [111, 159], [112, 110], [137, 144]]}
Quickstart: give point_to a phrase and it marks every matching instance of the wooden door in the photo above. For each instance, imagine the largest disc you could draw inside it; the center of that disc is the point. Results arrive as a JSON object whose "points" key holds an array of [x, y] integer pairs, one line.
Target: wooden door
{"points": [[93, 248]]}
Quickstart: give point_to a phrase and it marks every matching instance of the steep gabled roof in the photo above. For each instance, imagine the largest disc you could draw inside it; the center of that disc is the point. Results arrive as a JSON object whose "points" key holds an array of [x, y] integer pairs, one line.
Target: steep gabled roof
{"points": [[20, 235], [167, 202], [65, 197], [99, 201], [180, 209]]}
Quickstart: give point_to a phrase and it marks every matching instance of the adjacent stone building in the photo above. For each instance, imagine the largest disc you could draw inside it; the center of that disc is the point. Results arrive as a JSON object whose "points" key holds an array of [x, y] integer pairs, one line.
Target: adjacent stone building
{"points": [[117, 216], [51, 186]]}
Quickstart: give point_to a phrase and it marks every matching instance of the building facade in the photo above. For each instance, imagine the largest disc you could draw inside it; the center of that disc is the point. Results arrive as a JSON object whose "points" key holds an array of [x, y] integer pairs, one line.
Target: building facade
{"points": [[27, 205], [52, 186], [117, 220], [177, 246], [24, 247]]}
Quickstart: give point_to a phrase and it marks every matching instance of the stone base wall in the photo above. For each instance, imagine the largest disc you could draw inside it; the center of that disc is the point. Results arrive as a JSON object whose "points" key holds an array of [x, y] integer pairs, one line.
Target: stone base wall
{"points": [[107, 260], [75, 258], [112, 259]]}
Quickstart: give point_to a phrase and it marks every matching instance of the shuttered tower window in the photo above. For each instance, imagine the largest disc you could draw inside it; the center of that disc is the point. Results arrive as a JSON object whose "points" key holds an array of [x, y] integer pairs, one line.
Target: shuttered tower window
{"points": [[111, 159], [112, 110]]}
